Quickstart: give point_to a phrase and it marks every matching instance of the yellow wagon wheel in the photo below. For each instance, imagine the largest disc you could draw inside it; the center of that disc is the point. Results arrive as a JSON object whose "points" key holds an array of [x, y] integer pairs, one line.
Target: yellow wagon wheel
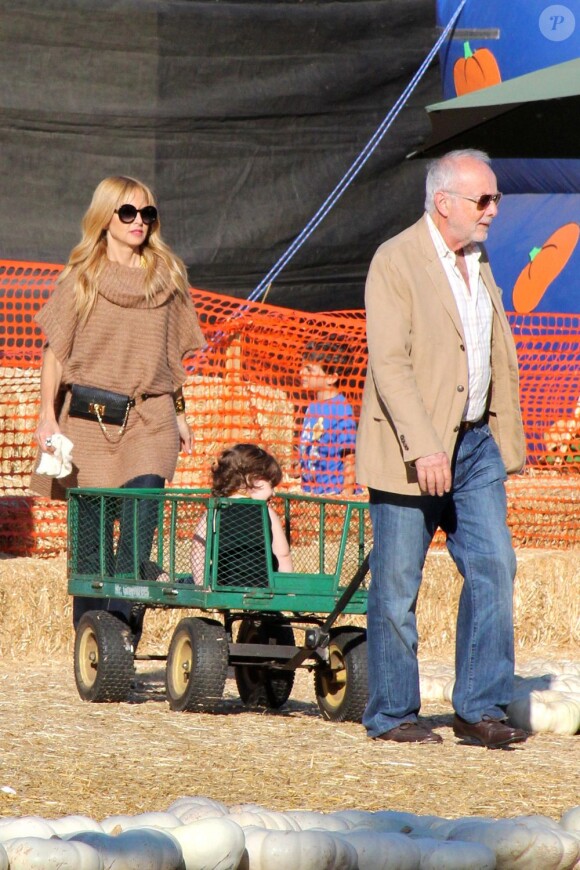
{"points": [[197, 665], [103, 657], [341, 684]]}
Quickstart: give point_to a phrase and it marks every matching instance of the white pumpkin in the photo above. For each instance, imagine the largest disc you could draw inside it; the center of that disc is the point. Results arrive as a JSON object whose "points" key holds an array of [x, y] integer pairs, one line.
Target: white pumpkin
{"points": [[248, 808], [25, 826], [190, 808], [546, 712], [432, 686], [387, 821], [568, 843], [116, 824], [355, 818], [454, 855], [296, 850], [535, 819], [36, 853], [442, 829], [399, 822], [521, 845], [547, 666], [448, 689], [4, 865], [307, 820], [268, 819], [569, 683], [570, 821], [134, 849], [565, 666], [524, 685], [72, 824], [377, 850], [198, 812], [210, 844]]}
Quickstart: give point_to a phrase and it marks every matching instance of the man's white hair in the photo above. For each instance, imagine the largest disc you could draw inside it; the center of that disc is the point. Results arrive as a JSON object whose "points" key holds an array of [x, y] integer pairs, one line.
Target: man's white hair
{"points": [[442, 172]]}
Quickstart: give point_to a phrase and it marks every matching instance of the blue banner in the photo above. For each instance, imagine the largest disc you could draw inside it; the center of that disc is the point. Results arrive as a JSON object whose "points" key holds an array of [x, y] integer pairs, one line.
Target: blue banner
{"points": [[534, 243]]}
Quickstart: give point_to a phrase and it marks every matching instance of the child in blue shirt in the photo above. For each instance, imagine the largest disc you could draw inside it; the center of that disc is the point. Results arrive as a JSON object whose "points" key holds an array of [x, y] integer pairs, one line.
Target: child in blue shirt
{"points": [[328, 435]]}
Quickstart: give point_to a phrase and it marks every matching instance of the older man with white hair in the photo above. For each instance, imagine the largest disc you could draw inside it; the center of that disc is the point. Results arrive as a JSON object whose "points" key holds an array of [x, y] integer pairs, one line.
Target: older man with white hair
{"points": [[440, 429]]}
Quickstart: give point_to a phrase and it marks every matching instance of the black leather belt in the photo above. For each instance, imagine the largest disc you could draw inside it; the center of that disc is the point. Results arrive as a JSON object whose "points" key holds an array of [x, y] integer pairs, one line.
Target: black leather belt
{"points": [[466, 425], [142, 397]]}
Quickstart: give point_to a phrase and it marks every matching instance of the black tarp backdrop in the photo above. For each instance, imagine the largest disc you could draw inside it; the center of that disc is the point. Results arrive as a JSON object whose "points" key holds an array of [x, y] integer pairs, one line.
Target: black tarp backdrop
{"points": [[242, 116]]}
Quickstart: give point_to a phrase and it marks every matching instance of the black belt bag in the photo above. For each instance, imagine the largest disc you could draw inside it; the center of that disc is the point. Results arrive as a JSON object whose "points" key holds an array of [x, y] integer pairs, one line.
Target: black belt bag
{"points": [[92, 403], [104, 406]]}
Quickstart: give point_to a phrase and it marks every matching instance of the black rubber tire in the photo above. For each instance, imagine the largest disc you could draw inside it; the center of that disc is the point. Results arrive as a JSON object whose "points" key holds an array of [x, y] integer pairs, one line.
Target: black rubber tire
{"points": [[197, 665], [341, 686], [261, 686], [103, 657]]}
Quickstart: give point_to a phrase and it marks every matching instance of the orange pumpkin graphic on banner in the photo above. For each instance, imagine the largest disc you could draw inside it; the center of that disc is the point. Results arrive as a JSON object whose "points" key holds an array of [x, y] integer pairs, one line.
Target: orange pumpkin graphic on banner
{"points": [[545, 264], [475, 70]]}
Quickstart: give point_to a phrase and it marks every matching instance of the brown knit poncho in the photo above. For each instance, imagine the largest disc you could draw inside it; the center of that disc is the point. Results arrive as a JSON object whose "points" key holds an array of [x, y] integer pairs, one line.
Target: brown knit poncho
{"points": [[130, 346]]}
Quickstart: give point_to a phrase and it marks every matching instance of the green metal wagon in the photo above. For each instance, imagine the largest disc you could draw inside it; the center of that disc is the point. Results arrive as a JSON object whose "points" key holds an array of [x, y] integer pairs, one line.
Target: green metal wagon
{"points": [[143, 547]]}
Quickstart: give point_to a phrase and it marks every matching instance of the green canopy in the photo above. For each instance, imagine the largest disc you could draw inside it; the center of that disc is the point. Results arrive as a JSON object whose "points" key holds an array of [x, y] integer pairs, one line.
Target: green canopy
{"points": [[534, 115]]}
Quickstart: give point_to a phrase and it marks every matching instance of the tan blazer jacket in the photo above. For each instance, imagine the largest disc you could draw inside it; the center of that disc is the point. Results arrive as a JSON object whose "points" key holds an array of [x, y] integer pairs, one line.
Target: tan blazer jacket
{"points": [[416, 383]]}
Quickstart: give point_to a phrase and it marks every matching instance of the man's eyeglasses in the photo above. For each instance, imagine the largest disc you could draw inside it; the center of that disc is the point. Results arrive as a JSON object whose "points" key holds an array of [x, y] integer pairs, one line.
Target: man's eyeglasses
{"points": [[127, 214], [482, 202]]}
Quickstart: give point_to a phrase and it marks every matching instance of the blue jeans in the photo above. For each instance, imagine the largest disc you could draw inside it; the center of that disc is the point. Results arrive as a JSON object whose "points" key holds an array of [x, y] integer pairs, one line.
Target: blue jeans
{"points": [[473, 517]]}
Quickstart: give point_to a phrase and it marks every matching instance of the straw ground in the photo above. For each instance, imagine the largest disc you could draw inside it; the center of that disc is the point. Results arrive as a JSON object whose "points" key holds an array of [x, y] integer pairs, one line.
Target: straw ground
{"points": [[61, 755]]}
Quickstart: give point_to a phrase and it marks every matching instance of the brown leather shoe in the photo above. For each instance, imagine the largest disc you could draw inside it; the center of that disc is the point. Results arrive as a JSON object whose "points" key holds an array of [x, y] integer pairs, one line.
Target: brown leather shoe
{"points": [[492, 733], [410, 732]]}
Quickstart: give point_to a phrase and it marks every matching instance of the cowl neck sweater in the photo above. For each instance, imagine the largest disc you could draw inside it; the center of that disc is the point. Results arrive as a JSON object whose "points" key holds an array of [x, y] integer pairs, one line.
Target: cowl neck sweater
{"points": [[125, 286]]}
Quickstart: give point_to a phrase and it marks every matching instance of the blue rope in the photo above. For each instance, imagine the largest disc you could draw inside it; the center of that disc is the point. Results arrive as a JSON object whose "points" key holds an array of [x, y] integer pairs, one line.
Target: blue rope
{"points": [[356, 166]]}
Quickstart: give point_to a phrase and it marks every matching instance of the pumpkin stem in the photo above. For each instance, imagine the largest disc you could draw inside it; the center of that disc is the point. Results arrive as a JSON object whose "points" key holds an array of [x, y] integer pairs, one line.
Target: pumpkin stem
{"points": [[467, 52], [534, 253]]}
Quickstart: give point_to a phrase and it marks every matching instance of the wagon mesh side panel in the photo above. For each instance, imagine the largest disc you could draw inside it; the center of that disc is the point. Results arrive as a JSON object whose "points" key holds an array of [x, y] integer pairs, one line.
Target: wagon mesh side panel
{"points": [[327, 537], [94, 534], [314, 549], [179, 546], [241, 544], [358, 544], [134, 535]]}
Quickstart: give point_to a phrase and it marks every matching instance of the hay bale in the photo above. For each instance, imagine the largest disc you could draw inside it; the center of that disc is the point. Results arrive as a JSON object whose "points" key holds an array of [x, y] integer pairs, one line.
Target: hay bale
{"points": [[19, 399], [546, 602], [544, 510], [36, 616], [35, 609], [227, 409], [32, 526]]}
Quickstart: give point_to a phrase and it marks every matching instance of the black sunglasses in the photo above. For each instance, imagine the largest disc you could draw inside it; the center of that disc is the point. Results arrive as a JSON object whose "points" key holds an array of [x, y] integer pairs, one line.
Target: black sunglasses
{"points": [[127, 214], [482, 202]]}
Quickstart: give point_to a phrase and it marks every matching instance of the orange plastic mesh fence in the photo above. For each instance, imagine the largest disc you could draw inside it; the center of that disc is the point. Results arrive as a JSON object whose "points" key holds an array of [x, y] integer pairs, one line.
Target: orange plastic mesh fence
{"points": [[245, 386]]}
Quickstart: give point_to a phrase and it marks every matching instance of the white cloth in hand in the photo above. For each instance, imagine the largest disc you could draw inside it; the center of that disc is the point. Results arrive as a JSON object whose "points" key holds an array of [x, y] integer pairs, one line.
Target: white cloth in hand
{"points": [[59, 463]]}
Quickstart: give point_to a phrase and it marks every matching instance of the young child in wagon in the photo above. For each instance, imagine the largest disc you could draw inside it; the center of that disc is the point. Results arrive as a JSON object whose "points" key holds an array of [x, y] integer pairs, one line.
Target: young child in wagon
{"points": [[244, 471]]}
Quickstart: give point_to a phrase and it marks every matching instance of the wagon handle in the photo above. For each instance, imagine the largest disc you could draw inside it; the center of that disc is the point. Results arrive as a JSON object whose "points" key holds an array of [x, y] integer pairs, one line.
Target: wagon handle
{"points": [[350, 590]]}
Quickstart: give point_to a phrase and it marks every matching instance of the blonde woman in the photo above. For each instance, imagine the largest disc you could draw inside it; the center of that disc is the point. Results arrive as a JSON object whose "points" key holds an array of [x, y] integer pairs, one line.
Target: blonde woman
{"points": [[120, 319]]}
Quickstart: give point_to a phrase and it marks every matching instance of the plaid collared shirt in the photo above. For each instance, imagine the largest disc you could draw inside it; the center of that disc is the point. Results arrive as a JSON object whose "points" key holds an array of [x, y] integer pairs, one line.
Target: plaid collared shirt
{"points": [[476, 313]]}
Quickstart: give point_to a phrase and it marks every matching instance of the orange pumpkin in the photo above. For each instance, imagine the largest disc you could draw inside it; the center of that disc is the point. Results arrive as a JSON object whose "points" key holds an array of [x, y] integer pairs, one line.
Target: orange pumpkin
{"points": [[545, 264], [475, 70]]}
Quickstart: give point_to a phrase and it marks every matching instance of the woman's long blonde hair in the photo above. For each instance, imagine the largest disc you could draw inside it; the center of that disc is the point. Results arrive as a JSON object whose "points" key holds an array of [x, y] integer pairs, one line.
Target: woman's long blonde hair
{"points": [[89, 256]]}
